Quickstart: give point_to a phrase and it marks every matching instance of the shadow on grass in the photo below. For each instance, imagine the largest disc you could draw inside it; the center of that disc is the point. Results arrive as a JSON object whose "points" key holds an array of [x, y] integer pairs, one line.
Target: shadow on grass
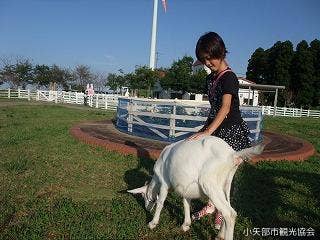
{"points": [[277, 198], [137, 177]]}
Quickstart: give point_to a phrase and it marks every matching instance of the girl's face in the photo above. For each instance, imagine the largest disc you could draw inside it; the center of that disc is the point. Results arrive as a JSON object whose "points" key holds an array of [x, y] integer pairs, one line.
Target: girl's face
{"points": [[213, 64]]}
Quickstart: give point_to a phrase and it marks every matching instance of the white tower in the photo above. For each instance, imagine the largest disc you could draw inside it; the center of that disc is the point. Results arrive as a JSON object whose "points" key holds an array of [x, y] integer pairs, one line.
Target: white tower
{"points": [[152, 62]]}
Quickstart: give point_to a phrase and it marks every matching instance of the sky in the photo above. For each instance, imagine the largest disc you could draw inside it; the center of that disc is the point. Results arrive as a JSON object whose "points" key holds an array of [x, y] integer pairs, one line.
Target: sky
{"points": [[108, 35]]}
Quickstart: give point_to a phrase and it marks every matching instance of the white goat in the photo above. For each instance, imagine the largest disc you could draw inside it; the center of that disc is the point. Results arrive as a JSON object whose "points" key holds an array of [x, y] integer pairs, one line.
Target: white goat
{"points": [[196, 168]]}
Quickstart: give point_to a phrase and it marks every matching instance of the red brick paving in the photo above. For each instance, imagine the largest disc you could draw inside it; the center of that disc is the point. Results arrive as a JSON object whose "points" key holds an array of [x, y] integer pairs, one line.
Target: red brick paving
{"points": [[103, 133]]}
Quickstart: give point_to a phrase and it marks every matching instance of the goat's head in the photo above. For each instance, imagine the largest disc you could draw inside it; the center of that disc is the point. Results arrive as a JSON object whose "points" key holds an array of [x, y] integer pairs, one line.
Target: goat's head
{"points": [[149, 194]]}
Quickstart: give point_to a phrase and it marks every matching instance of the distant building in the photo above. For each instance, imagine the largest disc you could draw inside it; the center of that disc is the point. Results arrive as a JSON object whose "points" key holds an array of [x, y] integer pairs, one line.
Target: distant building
{"points": [[247, 96]]}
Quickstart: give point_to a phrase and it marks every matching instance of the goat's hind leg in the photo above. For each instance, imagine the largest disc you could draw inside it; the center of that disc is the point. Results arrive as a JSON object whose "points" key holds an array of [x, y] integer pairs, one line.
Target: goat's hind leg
{"points": [[162, 197], [217, 196], [227, 189], [187, 220]]}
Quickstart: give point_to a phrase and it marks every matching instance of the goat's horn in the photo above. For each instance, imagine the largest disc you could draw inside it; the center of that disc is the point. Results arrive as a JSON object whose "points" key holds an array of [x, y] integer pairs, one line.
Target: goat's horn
{"points": [[138, 190]]}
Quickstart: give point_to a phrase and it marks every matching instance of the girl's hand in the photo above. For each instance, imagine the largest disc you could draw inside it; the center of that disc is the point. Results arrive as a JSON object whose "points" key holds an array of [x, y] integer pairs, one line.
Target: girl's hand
{"points": [[199, 135]]}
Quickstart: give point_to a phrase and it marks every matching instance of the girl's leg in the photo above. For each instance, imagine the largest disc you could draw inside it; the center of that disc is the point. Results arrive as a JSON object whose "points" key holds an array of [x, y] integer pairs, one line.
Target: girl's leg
{"points": [[218, 220], [209, 209]]}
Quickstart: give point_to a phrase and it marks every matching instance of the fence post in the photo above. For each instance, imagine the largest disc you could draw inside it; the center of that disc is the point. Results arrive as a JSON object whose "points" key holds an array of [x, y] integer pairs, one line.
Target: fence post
{"points": [[19, 93], [91, 101], [56, 97], [172, 130], [258, 126], [308, 113], [97, 101], [275, 103], [9, 93], [105, 101], [29, 97], [130, 117]]}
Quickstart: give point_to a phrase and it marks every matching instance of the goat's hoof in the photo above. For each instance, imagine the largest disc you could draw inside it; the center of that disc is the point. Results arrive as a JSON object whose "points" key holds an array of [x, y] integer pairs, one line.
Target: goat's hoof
{"points": [[185, 228], [152, 225]]}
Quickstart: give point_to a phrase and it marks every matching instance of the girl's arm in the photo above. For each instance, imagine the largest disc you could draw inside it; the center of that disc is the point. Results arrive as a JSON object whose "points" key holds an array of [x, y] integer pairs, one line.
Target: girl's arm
{"points": [[206, 124], [222, 114]]}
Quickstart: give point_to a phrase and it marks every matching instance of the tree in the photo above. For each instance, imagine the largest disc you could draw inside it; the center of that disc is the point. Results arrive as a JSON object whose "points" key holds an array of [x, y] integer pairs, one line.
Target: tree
{"points": [[116, 81], [99, 80], [132, 83], [42, 75], [8, 75], [145, 78], [198, 82], [302, 71], [112, 82], [82, 76], [278, 72], [315, 51], [62, 77], [18, 74], [24, 72], [257, 66], [178, 77], [6, 70]]}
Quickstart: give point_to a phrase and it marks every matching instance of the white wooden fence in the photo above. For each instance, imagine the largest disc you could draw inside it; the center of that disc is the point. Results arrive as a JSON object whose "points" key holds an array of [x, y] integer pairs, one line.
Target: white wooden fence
{"points": [[289, 112], [103, 101], [108, 101]]}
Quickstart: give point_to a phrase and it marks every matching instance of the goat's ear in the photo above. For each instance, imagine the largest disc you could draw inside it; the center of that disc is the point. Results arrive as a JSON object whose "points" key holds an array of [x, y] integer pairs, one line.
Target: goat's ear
{"points": [[138, 190]]}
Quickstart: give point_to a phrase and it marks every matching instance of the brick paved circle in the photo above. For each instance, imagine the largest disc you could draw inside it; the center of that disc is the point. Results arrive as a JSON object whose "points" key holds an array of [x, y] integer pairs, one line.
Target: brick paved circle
{"points": [[103, 133]]}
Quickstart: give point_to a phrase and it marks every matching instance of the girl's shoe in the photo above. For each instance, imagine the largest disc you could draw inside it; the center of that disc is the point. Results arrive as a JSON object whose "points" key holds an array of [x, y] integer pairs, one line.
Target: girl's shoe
{"points": [[218, 221], [209, 209]]}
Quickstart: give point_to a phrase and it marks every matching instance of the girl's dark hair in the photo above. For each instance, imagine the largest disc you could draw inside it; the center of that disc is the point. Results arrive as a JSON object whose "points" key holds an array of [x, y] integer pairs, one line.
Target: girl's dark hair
{"points": [[210, 44]]}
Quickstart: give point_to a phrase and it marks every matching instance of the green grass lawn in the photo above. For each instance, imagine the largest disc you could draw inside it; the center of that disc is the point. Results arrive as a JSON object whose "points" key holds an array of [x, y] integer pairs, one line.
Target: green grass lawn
{"points": [[53, 186]]}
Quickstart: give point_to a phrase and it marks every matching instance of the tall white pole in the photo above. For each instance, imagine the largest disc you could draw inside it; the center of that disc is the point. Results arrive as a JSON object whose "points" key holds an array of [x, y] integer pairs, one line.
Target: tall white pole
{"points": [[154, 36]]}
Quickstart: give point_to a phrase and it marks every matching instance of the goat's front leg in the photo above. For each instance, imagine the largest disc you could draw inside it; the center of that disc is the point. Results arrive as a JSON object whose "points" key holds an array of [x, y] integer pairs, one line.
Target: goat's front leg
{"points": [[187, 220], [162, 197]]}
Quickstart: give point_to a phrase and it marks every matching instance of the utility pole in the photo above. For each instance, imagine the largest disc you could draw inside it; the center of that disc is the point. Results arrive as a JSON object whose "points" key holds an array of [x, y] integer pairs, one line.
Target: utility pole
{"points": [[154, 35], [157, 59]]}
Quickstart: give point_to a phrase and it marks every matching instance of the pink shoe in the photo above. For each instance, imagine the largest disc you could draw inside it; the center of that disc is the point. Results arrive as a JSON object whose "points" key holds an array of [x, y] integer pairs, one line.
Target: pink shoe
{"points": [[209, 209], [218, 221]]}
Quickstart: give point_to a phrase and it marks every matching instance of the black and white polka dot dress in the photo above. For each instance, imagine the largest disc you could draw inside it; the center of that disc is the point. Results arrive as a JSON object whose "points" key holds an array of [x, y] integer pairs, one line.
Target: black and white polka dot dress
{"points": [[235, 135], [234, 130]]}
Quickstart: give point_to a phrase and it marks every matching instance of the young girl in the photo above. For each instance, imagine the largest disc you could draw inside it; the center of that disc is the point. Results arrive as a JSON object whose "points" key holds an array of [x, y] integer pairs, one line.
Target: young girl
{"points": [[224, 120]]}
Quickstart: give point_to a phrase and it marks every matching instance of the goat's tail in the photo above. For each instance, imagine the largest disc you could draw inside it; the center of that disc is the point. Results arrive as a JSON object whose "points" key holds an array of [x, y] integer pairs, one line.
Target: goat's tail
{"points": [[247, 153]]}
